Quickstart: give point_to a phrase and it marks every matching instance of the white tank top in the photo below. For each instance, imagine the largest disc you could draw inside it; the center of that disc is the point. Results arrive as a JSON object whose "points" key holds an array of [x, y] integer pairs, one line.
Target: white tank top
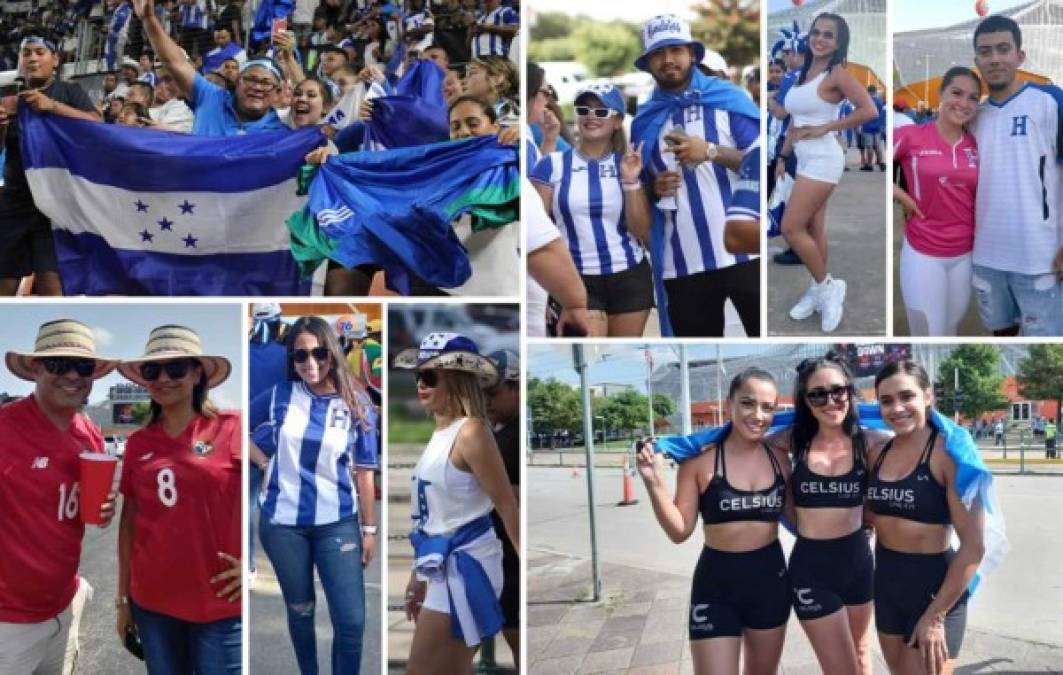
{"points": [[445, 497], [806, 107]]}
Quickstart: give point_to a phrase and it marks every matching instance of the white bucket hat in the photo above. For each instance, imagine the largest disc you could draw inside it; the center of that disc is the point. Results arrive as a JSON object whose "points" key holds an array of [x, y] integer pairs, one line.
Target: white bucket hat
{"points": [[60, 338], [166, 343], [666, 30]]}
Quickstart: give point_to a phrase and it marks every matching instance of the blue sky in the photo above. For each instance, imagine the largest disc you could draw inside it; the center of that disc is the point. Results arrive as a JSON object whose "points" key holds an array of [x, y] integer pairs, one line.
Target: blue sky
{"points": [[919, 14], [121, 332], [618, 364]]}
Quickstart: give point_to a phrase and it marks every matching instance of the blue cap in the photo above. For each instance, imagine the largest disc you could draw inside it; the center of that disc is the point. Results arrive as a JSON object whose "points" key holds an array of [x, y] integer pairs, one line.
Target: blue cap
{"points": [[666, 30], [609, 95]]}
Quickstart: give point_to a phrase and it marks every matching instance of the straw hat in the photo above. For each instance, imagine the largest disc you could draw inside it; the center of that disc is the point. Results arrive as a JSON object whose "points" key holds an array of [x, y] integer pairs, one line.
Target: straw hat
{"points": [[448, 351], [166, 343], [59, 338]]}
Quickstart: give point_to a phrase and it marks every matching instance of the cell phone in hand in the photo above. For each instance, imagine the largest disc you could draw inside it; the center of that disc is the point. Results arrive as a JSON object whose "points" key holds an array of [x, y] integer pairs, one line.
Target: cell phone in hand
{"points": [[675, 136]]}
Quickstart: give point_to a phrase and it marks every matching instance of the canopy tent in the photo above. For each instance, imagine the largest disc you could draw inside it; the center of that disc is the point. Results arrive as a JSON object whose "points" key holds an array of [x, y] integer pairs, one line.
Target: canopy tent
{"points": [[926, 54], [927, 90], [866, 76], [867, 30]]}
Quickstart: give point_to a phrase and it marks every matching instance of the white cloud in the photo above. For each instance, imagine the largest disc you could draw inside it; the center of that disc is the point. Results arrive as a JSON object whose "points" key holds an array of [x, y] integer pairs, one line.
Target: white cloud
{"points": [[104, 337]]}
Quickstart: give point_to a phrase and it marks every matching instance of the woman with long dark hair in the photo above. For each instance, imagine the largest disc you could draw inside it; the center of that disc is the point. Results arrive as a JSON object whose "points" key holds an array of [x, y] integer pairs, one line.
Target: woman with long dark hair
{"points": [[740, 595], [831, 567], [812, 104], [940, 164], [179, 574], [318, 517], [921, 583], [454, 588]]}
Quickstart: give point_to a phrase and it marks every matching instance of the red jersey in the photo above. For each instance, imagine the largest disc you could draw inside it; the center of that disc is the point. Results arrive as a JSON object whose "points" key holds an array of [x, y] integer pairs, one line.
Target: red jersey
{"points": [[187, 492], [943, 180], [40, 520]]}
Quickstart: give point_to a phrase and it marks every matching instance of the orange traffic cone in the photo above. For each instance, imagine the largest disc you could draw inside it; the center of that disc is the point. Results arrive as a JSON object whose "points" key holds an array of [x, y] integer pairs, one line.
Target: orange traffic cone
{"points": [[629, 486]]}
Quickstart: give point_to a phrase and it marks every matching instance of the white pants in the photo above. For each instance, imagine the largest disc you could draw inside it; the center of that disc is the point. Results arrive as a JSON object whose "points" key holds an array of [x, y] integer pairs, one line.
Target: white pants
{"points": [[936, 291], [46, 648]]}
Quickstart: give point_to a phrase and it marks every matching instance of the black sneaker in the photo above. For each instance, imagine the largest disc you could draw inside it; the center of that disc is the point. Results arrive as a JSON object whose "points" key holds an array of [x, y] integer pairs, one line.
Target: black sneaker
{"points": [[867, 168], [787, 257], [881, 166]]}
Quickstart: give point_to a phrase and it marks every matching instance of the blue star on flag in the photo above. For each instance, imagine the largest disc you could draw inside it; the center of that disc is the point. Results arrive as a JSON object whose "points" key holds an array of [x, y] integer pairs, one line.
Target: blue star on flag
{"points": [[190, 241], [166, 224], [146, 236], [141, 206], [186, 208]]}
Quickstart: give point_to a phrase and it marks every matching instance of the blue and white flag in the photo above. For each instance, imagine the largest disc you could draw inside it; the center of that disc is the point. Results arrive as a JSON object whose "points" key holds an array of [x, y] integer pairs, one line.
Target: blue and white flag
{"points": [[145, 212]]}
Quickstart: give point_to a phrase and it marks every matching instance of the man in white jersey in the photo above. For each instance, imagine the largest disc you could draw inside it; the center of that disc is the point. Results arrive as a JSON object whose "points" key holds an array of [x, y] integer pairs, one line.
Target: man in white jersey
{"points": [[1018, 241], [494, 29]]}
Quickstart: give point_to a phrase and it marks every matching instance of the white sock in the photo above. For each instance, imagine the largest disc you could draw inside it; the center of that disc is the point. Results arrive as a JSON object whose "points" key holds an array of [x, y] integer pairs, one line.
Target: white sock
{"points": [[826, 281]]}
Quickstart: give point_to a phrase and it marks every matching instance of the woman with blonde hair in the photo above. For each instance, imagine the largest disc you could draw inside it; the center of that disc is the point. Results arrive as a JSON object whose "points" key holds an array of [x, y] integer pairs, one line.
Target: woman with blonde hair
{"points": [[179, 575], [494, 79], [457, 578]]}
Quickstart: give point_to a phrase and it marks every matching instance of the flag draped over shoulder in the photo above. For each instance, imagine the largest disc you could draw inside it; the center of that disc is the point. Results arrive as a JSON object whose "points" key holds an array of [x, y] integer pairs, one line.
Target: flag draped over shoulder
{"points": [[973, 480], [144, 212], [394, 208]]}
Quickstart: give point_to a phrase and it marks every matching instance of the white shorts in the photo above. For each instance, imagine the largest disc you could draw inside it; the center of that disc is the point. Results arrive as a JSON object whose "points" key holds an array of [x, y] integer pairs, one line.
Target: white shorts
{"points": [[820, 159], [488, 550], [46, 648]]}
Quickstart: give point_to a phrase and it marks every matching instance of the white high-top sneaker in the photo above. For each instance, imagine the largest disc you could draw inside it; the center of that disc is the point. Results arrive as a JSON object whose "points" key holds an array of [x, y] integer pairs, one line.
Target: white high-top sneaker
{"points": [[807, 305], [831, 299]]}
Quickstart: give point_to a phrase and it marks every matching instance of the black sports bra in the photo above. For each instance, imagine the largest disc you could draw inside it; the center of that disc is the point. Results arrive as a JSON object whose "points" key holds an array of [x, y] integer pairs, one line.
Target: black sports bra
{"points": [[722, 503], [814, 491], [918, 496]]}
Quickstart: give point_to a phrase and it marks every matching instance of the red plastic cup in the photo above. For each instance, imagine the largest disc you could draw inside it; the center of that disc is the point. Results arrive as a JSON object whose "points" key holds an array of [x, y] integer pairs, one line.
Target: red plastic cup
{"points": [[97, 474]]}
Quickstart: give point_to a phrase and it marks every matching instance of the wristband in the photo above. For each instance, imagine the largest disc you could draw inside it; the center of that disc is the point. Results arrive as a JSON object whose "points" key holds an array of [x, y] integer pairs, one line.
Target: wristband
{"points": [[630, 187], [368, 529]]}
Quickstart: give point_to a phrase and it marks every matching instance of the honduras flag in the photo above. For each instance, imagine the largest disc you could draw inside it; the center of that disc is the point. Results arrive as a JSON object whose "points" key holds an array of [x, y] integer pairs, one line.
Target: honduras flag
{"points": [[144, 212], [415, 115], [394, 208]]}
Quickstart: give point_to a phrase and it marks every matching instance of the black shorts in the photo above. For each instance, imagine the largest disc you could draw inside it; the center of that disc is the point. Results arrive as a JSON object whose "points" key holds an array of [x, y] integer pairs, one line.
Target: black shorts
{"points": [[621, 292], [510, 598], [696, 301], [905, 585], [735, 591], [827, 574], [26, 244]]}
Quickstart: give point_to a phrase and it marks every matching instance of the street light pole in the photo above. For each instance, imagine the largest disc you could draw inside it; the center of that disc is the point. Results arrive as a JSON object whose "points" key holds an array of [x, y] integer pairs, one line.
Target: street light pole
{"points": [[580, 362]]}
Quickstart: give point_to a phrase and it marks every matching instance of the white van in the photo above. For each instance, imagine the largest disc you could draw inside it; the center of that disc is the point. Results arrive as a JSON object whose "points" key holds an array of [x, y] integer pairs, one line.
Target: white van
{"points": [[566, 77]]}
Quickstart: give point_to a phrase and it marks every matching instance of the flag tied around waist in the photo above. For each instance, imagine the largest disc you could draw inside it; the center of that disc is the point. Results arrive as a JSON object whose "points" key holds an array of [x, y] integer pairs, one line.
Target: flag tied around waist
{"points": [[394, 208], [145, 212]]}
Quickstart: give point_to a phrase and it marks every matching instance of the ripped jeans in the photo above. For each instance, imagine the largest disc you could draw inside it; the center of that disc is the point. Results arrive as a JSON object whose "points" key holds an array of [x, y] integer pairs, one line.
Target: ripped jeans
{"points": [[1034, 302], [336, 551]]}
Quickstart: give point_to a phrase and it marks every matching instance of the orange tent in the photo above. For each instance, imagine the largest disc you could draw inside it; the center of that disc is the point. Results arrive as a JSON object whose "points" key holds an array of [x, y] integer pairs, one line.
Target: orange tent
{"points": [[927, 90], [865, 75]]}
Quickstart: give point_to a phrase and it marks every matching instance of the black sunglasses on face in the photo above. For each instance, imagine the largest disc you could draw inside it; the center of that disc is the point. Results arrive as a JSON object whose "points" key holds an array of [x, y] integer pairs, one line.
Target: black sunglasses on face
{"points": [[59, 365], [817, 398], [428, 378], [175, 370], [320, 354]]}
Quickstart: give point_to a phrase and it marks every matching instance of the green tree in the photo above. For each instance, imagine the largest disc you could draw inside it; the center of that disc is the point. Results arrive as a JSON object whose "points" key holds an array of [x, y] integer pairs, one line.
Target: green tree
{"points": [[550, 25], [663, 406], [1040, 374], [554, 406], [980, 380], [606, 48], [140, 412], [731, 27], [554, 49]]}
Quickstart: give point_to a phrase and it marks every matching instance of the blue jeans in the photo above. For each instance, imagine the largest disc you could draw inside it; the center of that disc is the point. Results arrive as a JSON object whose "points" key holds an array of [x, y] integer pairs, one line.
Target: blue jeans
{"points": [[176, 647], [255, 479], [336, 551], [1034, 302]]}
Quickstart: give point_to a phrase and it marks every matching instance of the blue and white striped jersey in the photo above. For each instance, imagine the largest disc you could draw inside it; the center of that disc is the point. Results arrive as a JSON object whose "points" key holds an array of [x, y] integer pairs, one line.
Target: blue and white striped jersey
{"points": [[420, 20], [745, 202], [694, 232], [1018, 225], [311, 441], [490, 44], [192, 16], [588, 207]]}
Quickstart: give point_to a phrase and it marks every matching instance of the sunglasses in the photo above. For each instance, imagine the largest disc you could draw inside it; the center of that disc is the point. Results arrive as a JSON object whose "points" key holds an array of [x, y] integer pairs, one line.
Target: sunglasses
{"points": [[175, 370], [600, 113], [817, 398], [825, 34], [61, 366], [320, 354], [428, 378]]}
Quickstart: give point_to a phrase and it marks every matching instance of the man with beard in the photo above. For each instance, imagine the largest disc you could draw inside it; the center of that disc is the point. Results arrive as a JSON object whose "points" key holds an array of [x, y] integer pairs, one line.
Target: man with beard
{"points": [[692, 133]]}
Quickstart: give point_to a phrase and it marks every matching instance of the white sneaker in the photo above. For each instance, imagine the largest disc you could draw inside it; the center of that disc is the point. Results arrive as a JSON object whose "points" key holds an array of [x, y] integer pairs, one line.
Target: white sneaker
{"points": [[807, 305], [831, 298]]}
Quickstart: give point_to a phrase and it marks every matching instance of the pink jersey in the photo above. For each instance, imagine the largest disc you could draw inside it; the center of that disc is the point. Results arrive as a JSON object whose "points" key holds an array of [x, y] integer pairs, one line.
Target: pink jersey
{"points": [[188, 506], [40, 519], [943, 179]]}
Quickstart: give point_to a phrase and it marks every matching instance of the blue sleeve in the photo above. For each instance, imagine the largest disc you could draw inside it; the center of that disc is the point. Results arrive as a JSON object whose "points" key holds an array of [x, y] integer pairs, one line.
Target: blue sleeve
{"points": [[744, 129], [206, 94], [366, 441], [543, 171], [263, 431], [531, 154], [563, 145], [1057, 95], [350, 137], [510, 17], [745, 202]]}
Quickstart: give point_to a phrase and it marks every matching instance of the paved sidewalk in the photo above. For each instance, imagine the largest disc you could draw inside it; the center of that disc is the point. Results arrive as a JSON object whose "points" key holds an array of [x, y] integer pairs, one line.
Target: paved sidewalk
{"points": [[639, 627], [856, 252]]}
